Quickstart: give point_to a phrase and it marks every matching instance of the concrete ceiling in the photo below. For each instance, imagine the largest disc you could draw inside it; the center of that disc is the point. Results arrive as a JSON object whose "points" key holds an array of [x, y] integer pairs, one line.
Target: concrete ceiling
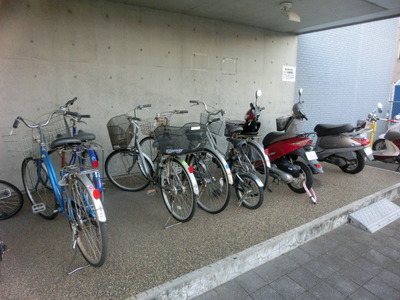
{"points": [[315, 15]]}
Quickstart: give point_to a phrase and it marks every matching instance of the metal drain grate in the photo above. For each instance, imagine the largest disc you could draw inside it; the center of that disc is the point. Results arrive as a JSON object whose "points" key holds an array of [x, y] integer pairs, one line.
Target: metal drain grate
{"points": [[376, 215]]}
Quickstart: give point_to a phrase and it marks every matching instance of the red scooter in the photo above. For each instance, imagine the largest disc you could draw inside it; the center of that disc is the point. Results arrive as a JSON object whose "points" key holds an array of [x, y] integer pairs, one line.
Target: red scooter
{"points": [[284, 147]]}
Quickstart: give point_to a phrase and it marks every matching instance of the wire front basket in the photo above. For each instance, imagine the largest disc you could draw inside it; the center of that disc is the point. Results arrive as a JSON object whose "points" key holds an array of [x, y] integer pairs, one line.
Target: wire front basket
{"points": [[121, 131], [25, 141], [173, 140], [216, 127], [147, 126]]}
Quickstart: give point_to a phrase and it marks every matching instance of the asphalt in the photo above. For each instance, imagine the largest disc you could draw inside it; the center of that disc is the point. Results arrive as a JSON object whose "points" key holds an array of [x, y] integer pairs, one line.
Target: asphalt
{"points": [[213, 255]]}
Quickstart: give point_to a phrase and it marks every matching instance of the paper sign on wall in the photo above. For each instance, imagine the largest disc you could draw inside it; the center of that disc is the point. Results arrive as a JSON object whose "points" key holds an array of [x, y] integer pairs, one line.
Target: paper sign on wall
{"points": [[289, 73]]}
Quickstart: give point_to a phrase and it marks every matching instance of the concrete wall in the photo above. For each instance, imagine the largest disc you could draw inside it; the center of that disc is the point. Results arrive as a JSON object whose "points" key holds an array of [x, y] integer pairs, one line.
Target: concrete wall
{"points": [[114, 56], [345, 72]]}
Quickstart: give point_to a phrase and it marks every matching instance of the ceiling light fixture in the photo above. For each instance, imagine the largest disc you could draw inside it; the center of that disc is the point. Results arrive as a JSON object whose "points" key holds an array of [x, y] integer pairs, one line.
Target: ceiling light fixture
{"points": [[286, 9]]}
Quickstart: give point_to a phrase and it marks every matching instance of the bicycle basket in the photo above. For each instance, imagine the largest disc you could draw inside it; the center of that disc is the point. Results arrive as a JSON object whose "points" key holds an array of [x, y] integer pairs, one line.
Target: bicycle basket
{"points": [[121, 131], [22, 142], [147, 126], [173, 140], [216, 127], [58, 127]]}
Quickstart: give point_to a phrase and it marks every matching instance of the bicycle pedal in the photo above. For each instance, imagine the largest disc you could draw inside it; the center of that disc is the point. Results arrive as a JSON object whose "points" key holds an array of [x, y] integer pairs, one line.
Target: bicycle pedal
{"points": [[151, 192], [39, 207]]}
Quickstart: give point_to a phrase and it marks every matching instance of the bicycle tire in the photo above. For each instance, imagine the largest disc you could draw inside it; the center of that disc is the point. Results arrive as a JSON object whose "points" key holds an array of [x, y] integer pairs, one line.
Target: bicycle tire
{"points": [[11, 200], [90, 233], [248, 192], [258, 161], [147, 146], [212, 179], [37, 187], [123, 170], [177, 190]]}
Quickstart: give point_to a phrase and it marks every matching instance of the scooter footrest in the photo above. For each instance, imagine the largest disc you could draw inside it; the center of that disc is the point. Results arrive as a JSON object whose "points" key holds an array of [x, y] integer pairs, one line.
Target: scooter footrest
{"points": [[38, 207]]}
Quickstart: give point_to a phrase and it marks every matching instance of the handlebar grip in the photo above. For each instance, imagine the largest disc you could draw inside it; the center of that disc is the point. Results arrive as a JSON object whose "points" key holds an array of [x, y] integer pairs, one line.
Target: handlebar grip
{"points": [[71, 113], [194, 101], [71, 102], [16, 122], [85, 116], [146, 105], [183, 111], [215, 120]]}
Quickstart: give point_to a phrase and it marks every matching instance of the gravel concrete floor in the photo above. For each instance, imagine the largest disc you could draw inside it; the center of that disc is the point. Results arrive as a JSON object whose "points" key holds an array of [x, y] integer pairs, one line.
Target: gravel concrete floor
{"points": [[143, 254]]}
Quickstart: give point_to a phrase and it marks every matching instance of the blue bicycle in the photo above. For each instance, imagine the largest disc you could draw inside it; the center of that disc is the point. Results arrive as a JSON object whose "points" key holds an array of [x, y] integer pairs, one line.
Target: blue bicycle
{"points": [[85, 154], [72, 192]]}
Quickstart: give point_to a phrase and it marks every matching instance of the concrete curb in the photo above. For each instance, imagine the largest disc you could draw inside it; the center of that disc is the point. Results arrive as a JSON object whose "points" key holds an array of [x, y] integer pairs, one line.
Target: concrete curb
{"points": [[207, 278]]}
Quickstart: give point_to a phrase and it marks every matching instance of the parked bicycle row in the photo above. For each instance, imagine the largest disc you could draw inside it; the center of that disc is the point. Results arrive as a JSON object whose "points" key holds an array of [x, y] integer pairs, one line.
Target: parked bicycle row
{"points": [[193, 164]]}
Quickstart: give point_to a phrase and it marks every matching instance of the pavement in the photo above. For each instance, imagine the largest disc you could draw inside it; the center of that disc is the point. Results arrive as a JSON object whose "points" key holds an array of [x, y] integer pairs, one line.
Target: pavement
{"points": [[286, 249]]}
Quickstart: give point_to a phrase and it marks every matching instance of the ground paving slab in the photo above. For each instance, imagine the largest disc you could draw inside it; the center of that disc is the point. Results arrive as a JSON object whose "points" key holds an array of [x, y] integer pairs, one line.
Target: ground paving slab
{"points": [[147, 261]]}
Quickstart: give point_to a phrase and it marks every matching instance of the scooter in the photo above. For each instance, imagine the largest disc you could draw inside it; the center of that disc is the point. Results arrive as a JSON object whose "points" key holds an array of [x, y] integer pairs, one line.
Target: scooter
{"points": [[343, 145], [380, 144], [391, 151], [283, 149]]}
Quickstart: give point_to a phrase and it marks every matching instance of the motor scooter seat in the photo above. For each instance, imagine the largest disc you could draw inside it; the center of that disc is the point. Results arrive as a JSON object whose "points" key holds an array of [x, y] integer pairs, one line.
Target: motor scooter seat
{"points": [[271, 137], [332, 129], [85, 136], [392, 135]]}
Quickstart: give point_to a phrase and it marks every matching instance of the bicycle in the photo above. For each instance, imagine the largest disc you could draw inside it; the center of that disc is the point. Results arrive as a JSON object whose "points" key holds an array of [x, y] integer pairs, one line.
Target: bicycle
{"points": [[86, 154], [247, 185], [147, 128], [210, 167], [11, 200], [74, 195], [129, 168], [257, 162]]}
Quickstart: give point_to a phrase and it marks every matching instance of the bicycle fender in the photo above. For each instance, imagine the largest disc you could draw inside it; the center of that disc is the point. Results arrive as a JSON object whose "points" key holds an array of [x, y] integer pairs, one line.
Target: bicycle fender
{"points": [[224, 163], [257, 145], [101, 215], [255, 178], [191, 177]]}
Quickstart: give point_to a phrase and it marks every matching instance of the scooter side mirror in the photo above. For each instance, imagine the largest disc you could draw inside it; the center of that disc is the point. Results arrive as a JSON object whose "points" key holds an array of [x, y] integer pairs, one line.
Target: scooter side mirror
{"points": [[300, 91], [258, 94], [380, 106]]}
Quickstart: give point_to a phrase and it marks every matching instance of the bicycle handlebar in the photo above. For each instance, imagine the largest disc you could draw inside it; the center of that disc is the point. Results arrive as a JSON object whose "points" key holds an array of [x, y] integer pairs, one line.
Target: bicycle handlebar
{"points": [[37, 125], [196, 102]]}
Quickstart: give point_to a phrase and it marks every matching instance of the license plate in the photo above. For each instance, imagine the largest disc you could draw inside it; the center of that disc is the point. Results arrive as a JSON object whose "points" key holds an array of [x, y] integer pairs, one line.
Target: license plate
{"points": [[311, 155], [368, 151]]}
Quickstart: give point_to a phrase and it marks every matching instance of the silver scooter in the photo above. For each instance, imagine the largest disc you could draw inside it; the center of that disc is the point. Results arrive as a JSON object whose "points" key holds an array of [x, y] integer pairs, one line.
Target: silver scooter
{"points": [[343, 145]]}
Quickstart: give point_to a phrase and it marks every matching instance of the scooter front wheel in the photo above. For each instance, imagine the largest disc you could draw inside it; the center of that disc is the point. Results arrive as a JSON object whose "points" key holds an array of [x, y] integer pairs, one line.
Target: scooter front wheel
{"points": [[354, 166], [297, 184]]}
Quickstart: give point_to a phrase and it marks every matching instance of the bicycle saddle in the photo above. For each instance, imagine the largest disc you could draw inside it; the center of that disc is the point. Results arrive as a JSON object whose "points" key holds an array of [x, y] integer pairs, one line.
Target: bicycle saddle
{"points": [[85, 136], [65, 141]]}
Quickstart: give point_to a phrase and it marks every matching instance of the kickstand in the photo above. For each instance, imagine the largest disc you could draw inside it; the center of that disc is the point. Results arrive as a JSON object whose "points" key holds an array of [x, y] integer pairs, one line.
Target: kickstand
{"points": [[77, 269], [166, 226]]}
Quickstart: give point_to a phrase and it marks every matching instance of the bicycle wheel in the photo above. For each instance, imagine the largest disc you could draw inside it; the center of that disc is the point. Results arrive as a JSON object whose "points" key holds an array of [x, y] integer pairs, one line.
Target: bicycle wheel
{"points": [[212, 180], [177, 190], [11, 200], [258, 161], [147, 147], [248, 192], [123, 170], [37, 186], [89, 232]]}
